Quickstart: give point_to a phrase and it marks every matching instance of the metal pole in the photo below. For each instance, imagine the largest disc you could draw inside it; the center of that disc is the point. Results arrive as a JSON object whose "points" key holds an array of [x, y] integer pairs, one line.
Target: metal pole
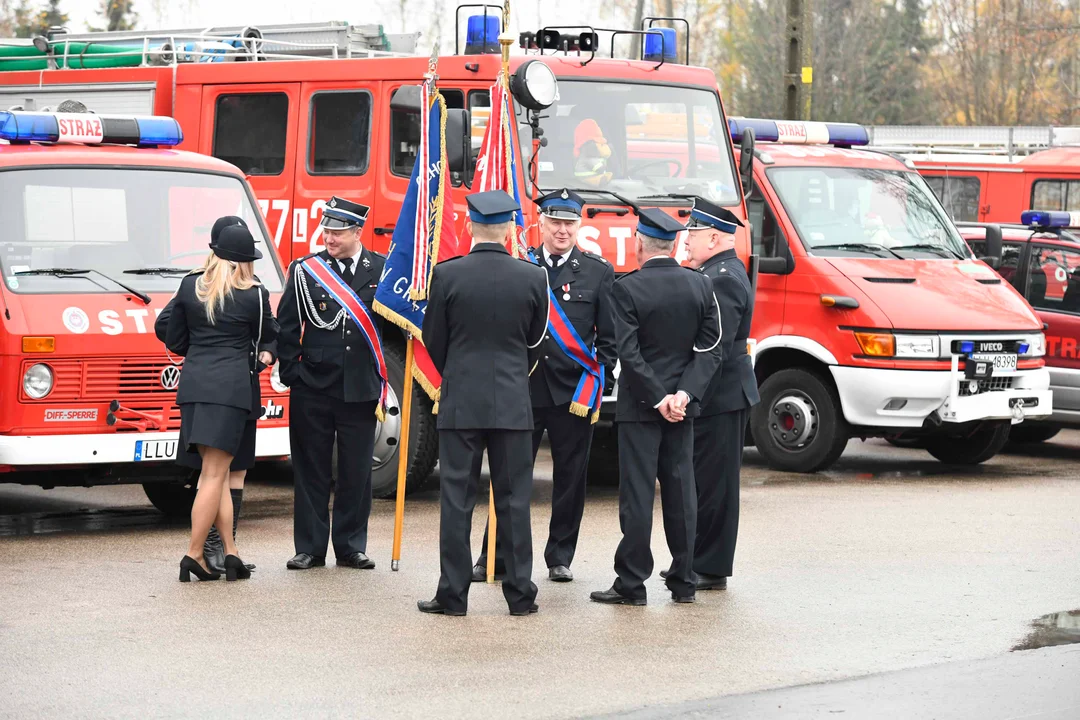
{"points": [[403, 454], [807, 77]]}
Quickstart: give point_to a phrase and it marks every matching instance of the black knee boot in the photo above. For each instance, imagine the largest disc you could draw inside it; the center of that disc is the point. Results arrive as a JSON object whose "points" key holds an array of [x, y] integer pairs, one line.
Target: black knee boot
{"points": [[237, 501], [214, 550]]}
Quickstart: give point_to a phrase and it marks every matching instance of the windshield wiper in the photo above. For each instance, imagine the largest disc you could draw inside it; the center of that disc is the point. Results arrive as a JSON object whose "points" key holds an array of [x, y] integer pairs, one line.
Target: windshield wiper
{"points": [[865, 247], [595, 191], [930, 247], [164, 270], [74, 272]]}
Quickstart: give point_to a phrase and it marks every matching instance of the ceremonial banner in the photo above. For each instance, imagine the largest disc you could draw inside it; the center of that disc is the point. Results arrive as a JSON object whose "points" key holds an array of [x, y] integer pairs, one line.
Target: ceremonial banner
{"points": [[423, 236], [496, 164]]}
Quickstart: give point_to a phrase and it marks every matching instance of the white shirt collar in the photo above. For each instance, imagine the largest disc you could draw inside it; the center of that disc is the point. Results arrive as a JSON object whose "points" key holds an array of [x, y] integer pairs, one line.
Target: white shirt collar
{"points": [[562, 258], [355, 261]]}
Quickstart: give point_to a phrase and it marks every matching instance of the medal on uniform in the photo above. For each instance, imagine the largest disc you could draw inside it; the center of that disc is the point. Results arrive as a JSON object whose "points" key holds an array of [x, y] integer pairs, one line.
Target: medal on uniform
{"points": [[367, 263], [322, 307], [566, 291]]}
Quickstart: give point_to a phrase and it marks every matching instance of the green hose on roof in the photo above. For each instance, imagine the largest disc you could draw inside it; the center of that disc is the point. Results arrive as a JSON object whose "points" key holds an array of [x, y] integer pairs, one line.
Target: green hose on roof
{"points": [[79, 55]]}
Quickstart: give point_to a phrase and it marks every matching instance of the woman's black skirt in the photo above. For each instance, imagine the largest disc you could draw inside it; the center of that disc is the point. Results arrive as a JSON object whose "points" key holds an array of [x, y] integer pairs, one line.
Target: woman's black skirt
{"points": [[227, 428]]}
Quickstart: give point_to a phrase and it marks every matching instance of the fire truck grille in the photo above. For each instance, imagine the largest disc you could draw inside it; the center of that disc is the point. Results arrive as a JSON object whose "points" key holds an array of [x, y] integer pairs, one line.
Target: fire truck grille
{"points": [[129, 420], [996, 384]]}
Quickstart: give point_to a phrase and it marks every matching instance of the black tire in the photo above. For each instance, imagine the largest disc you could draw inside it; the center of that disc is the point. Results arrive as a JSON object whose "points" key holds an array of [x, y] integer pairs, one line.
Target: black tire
{"points": [[815, 414], [174, 499], [977, 447], [423, 436], [1029, 432], [902, 441]]}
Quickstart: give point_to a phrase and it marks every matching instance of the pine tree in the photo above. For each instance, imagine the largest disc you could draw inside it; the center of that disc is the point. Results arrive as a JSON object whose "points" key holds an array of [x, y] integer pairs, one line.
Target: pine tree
{"points": [[119, 15]]}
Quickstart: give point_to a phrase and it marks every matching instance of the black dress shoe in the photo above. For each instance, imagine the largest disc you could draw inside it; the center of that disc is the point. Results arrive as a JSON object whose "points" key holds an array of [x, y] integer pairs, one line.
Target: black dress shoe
{"points": [[527, 611], [436, 608], [303, 561], [479, 574], [357, 560], [665, 573], [613, 597], [560, 573], [711, 582], [682, 598]]}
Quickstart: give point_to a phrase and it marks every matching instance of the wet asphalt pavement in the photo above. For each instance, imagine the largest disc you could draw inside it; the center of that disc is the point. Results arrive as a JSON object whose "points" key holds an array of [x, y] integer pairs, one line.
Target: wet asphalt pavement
{"points": [[888, 562]]}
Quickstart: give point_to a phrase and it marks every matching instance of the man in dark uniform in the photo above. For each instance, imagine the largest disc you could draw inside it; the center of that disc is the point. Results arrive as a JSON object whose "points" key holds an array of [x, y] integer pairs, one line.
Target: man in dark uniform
{"points": [[720, 428], [667, 328], [335, 382], [485, 320], [581, 285]]}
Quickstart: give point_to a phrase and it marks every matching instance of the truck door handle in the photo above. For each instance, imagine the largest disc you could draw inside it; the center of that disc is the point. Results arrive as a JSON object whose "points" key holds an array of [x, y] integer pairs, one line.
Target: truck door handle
{"points": [[388, 230], [594, 211]]}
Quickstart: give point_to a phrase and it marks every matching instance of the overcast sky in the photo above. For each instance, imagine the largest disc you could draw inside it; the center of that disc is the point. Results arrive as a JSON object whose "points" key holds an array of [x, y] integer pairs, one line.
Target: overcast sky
{"points": [[180, 14]]}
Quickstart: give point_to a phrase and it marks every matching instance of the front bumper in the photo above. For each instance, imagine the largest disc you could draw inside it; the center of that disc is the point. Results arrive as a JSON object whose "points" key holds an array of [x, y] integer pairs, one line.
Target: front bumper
{"points": [[26, 452], [880, 398]]}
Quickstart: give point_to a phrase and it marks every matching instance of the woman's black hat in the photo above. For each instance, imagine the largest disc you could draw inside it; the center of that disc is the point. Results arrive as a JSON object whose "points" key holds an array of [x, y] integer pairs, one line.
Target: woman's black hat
{"points": [[235, 243]]}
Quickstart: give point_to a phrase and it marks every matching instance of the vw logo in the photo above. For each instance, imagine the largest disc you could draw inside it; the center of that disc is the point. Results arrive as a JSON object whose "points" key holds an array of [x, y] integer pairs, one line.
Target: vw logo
{"points": [[170, 377]]}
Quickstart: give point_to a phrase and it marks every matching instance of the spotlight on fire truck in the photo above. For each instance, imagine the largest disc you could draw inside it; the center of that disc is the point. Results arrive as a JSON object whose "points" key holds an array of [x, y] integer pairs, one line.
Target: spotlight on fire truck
{"points": [[88, 129], [534, 85], [1049, 219], [799, 133]]}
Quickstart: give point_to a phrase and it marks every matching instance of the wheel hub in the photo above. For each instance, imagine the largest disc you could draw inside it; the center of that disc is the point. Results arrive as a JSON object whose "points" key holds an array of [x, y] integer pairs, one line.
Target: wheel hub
{"points": [[793, 420], [387, 433]]}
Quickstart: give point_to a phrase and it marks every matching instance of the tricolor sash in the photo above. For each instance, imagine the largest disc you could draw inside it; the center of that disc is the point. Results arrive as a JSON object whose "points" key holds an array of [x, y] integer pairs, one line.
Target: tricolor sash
{"points": [[321, 272], [590, 388]]}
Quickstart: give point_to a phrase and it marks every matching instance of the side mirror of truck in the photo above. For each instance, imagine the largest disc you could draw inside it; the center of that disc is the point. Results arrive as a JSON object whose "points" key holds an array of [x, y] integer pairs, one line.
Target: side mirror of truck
{"points": [[458, 133], [774, 266], [406, 99], [746, 160], [993, 247]]}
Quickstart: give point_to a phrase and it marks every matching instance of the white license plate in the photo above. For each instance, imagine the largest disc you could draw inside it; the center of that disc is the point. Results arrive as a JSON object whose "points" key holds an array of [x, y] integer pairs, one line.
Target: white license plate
{"points": [[1002, 363], [150, 450]]}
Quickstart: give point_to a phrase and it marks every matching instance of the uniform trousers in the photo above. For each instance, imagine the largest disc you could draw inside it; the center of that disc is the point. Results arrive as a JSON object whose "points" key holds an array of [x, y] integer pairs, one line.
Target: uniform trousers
{"points": [[649, 451], [570, 437], [718, 451], [315, 419], [461, 455]]}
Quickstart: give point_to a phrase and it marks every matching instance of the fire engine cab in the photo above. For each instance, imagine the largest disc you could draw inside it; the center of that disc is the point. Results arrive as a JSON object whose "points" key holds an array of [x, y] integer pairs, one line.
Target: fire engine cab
{"points": [[102, 219], [1040, 257], [872, 316], [315, 110]]}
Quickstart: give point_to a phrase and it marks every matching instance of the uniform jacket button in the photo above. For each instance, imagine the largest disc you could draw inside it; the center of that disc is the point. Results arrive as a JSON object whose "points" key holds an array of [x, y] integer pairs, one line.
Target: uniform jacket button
{"points": [[348, 348], [348, 332]]}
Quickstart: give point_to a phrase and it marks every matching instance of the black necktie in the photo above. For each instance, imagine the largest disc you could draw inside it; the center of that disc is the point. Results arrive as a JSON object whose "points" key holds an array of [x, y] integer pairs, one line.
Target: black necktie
{"points": [[347, 273], [553, 263]]}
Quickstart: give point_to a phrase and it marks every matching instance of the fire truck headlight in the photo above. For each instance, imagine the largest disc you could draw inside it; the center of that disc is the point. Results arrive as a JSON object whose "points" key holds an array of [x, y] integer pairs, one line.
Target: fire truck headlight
{"points": [[534, 85], [1033, 346], [275, 380], [38, 381]]}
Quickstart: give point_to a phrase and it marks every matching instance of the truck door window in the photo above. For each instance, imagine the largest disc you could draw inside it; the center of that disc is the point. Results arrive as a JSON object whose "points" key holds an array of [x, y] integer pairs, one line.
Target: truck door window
{"points": [[1055, 279], [958, 195], [1056, 195], [1010, 259], [340, 133], [250, 131], [405, 136], [765, 231], [479, 112]]}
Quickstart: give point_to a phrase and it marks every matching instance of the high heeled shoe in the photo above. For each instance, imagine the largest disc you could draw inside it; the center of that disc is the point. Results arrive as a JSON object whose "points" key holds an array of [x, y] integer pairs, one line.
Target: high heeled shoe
{"points": [[235, 569], [190, 565]]}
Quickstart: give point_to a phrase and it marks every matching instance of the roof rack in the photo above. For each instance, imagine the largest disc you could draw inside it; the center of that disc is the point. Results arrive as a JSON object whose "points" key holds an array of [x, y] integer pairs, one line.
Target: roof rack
{"points": [[1010, 142], [132, 48]]}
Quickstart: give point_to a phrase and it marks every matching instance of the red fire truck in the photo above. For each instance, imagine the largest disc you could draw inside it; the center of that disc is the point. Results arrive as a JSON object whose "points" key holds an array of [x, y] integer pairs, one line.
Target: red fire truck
{"points": [[310, 111], [101, 221]]}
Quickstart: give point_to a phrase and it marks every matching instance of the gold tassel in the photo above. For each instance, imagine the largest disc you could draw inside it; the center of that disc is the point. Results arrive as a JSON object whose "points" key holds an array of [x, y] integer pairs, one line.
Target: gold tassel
{"points": [[436, 397], [580, 410], [595, 418], [435, 408], [380, 413]]}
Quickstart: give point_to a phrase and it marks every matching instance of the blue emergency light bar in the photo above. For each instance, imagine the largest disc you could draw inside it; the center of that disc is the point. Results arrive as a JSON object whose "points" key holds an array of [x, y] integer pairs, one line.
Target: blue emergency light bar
{"points": [[89, 129], [660, 45], [799, 133], [1050, 219], [482, 34]]}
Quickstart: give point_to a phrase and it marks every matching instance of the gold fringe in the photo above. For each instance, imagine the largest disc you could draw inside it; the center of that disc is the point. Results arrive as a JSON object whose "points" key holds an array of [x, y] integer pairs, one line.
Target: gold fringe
{"points": [[595, 418], [380, 413], [431, 390], [435, 408], [580, 410], [436, 397]]}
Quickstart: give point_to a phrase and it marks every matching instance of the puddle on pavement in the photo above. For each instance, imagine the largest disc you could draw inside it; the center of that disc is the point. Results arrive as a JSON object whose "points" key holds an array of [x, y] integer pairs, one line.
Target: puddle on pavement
{"points": [[82, 521], [1061, 628]]}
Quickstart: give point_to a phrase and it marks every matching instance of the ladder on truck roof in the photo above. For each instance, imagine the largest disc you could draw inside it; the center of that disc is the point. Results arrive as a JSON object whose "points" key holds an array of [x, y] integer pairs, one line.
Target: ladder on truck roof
{"points": [[136, 48], [1010, 142]]}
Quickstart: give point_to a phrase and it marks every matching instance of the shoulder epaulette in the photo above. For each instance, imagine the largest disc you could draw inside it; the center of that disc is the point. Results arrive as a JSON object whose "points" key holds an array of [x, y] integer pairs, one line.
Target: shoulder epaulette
{"points": [[625, 275], [594, 256], [377, 253], [452, 257]]}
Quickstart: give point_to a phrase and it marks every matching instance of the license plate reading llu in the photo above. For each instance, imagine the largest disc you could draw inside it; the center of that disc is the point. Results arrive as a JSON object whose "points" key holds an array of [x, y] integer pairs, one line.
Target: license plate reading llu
{"points": [[1003, 363], [150, 450]]}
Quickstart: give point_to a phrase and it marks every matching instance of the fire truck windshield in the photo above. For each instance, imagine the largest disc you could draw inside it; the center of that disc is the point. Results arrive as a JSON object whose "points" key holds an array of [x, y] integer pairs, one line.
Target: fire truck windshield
{"points": [[142, 227], [635, 140], [863, 211]]}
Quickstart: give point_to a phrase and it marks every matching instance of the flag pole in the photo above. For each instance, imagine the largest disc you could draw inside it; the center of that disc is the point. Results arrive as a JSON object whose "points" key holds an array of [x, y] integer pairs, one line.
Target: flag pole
{"points": [[403, 453], [505, 40]]}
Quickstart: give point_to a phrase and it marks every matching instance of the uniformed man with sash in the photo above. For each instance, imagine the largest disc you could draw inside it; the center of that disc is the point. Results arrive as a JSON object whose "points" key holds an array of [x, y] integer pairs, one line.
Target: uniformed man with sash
{"points": [[567, 385], [667, 330], [331, 356], [486, 317], [720, 428]]}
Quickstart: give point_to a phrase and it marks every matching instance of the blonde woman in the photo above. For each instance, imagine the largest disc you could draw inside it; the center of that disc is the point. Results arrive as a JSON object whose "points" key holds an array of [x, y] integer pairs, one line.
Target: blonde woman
{"points": [[218, 320]]}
